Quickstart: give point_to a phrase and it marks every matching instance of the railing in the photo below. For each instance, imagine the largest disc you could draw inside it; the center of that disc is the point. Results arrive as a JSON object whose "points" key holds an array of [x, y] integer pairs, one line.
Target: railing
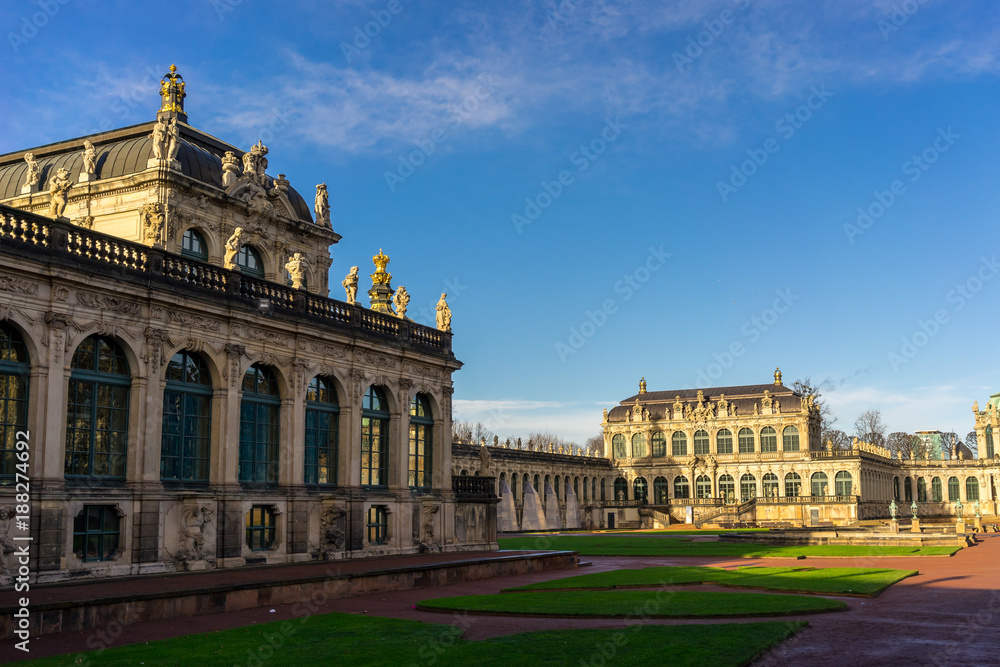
{"points": [[51, 240], [623, 503], [801, 500], [469, 487]]}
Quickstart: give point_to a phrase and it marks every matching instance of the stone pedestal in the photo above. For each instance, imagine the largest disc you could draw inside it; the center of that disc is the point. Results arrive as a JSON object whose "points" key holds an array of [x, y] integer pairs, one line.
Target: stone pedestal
{"points": [[29, 189], [914, 525], [86, 178], [960, 527], [979, 524], [894, 526]]}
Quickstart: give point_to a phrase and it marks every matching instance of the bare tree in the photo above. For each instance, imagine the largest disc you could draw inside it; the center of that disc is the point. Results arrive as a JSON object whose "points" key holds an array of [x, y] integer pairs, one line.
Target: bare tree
{"points": [[595, 445], [869, 427], [949, 443], [465, 430], [906, 446], [837, 439], [826, 416], [972, 443]]}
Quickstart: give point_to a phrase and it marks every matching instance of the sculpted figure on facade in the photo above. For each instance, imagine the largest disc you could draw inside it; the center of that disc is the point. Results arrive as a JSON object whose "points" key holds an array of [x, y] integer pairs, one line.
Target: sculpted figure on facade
{"points": [[331, 534], [350, 284], [173, 140], [194, 522], [297, 267], [7, 545], [58, 189], [443, 314], [485, 460], [427, 541], [32, 175], [152, 222], [322, 206], [401, 300], [233, 246], [89, 158], [230, 169], [160, 139]]}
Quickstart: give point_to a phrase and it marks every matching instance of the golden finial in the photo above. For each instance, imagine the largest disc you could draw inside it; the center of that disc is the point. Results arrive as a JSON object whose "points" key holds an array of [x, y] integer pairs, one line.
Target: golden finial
{"points": [[642, 385], [172, 95], [777, 376], [381, 276]]}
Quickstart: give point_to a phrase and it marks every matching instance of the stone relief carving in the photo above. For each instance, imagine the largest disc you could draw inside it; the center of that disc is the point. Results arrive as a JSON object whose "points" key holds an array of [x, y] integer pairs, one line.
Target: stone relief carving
{"points": [[153, 352], [234, 352], [350, 284], [60, 293], [191, 321], [153, 218], [112, 303], [443, 314], [335, 351], [17, 285], [427, 540], [7, 545], [332, 536], [193, 533]]}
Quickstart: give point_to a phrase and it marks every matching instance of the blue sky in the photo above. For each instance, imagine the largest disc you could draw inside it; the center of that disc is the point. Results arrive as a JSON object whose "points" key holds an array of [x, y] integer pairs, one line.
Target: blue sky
{"points": [[713, 157]]}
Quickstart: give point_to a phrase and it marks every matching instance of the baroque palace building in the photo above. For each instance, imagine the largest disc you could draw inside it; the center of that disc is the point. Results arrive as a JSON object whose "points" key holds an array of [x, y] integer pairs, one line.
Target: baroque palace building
{"points": [[179, 388]]}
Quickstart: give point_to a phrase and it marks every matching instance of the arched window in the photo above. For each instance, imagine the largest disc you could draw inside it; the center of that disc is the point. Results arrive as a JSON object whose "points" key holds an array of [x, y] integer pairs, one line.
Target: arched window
{"points": [[953, 489], [724, 441], [748, 487], [790, 439], [374, 438], [921, 490], [895, 489], [908, 489], [639, 446], [14, 370], [746, 441], [768, 440], [937, 494], [659, 444], [660, 491], [621, 489], [618, 445], [186, 435], [681, 487], [727, 488], [97, 413], [322, 432], [989, 442], [845, 483], [679, 444], [602, 490], [259, 410], [820, 484], [701, 443], [769, 485], [193, 245], [971, 489], [703, 486], [249, 261], [555, 487], [593, 489], [793, 484], [421, 439], [640, 489], [576, 487], [538, 490], [585, 489]]}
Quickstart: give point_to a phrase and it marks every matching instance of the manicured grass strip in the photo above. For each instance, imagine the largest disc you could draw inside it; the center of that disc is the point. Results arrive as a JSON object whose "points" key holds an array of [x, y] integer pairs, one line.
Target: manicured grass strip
{"points": [[363, 640], [832, 580], [654, 604], [620, 545]]}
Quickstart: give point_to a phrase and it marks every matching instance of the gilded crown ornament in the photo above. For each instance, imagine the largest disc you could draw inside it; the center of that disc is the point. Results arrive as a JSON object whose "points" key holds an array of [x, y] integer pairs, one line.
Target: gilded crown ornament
{"points": [[642, 386], [381, 276], [381, 292], [777, 376], [172, 95]]}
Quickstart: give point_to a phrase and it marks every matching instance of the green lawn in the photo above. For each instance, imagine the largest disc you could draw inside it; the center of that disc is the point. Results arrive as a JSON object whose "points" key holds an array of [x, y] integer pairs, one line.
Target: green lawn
{"points": [[832, 580], [632, 545], [654, 604], [362, 640]]}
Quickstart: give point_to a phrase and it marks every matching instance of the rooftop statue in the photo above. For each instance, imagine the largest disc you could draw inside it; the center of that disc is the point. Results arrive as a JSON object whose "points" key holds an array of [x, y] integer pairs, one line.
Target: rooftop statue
{"points": [[33, 175], [350, 284], [401, 300], [322, 206], [58, 189], [443, 314], [233, 246], [297, 268], [89, 159]]}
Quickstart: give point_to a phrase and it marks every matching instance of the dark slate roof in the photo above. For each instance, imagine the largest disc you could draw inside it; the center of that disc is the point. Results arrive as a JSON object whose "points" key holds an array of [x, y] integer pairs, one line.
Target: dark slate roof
{"points": [[200, 156]]}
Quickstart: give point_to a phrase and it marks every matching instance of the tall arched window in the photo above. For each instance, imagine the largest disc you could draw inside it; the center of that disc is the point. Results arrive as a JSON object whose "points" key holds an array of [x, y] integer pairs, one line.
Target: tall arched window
{"points": [[618, 445], [538, 490], [768, 439], [640, 489], [681, 487], [989, 442], [659, 444], [769, 485], [322, 432], [921, 490], [908, 489], [701, 447], [895, 489], [186, 436], [593, 489], [602, 491], [724, 441], [937, 494], [14, 370], [556, 487], [639, 445], [746, 441], [249, 261], [820, 484], [259, 410], [660, 491], [621, 489], [845, 483], [971, 489], [576, 487], [953, 489], [586, 488], [679, 443], [748, 487], [793, 484], [97, 412], [703, 486], [193, 245], [727, 488], [374, 438], [790, 439], [421, 427]]}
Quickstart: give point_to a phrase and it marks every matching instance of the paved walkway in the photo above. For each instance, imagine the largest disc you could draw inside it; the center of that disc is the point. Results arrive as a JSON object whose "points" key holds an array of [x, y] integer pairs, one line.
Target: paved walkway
{"points": [[947, 615]]}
